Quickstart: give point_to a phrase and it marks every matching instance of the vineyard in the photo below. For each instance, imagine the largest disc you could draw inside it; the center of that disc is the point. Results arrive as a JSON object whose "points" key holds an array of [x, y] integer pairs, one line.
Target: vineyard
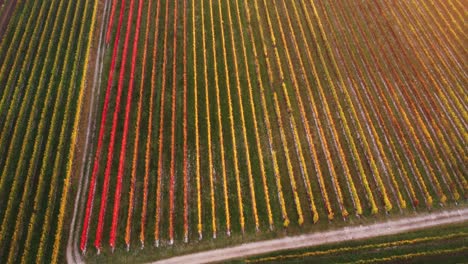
{"points": [[411, 247], [222, 118], [219, 122], [42, 56]]}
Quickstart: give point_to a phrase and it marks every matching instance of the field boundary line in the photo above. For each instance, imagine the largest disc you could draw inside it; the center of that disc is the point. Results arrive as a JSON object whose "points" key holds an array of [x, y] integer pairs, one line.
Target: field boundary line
{"points": [[73, 254], [376, 229]]}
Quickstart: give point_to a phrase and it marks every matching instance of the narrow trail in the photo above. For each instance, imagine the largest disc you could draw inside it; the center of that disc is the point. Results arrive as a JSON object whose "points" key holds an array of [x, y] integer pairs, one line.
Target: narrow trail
{"points": [[326, 237], [73, 253]]}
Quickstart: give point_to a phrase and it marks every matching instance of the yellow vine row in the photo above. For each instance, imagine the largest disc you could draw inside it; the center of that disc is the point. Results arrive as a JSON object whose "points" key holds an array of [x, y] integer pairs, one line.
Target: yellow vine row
{"points": [[197, 136], [402, 111], [398, 258], [218, 105], [208, 121], [363, 247], [373, 165], [395, 124], [233, 135], [173, 127], [317, 120], [244, 131], [276, 171], [161, 131], [254, 116], [297, 142], [73, 140], [363, 174], [288, 161]]}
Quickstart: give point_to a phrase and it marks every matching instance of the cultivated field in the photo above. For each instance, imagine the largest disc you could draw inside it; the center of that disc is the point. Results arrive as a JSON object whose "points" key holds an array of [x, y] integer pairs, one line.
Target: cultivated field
{"points": [[42, 59], [220, 122], [222, 119], [428, 246]]}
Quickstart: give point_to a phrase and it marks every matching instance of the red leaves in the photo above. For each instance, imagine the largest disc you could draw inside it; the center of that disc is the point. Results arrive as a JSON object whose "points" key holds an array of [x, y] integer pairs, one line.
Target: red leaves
{"points": [[111, 21], [110, 151], [123, 148], [92, 185], [173, 146]]}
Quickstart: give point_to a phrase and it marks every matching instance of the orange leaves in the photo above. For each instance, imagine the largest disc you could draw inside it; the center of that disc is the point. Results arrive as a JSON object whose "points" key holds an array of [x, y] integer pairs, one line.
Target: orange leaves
{"points": [[161, 131], [185, 145], [297, 201], [136, 143], [123, 149], [173, 132], [326, 139]]}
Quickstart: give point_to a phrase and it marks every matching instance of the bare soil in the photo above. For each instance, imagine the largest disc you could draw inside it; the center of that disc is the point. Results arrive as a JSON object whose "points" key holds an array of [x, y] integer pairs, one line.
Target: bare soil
{"points": [[6, 15], [85, 129]]}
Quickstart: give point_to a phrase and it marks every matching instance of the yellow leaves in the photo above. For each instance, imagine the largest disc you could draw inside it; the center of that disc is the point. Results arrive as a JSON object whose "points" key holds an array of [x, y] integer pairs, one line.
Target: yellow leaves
{"points": [[288, 161], [220, 125], [346, 152], [334, 89], [252, 106], [208, 121], [232, 130], [280, 190], [266, 115], [161, 131], [243, 123], [305, 173], [73, 140], [357, 248], [197, 136]]}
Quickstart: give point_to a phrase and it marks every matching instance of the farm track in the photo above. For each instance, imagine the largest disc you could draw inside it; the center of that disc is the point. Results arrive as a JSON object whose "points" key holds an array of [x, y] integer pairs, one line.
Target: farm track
{"points": [[72, 252], [377, 229]]}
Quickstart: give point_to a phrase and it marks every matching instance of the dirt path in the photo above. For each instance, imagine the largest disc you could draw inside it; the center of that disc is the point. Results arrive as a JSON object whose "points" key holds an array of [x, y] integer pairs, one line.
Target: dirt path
{"points": [[88, 122], [326, 237], [7, 12]]}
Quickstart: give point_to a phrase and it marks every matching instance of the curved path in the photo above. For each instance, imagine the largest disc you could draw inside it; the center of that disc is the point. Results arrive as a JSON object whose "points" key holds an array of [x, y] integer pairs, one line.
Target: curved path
{"points": [[326, 237], [73, 253]]}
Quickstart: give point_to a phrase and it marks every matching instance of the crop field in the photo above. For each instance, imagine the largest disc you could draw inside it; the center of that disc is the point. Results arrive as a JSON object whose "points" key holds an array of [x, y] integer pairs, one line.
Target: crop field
{"points": [[441, 242], [224, 118], [42, 59], [6, 11], [220, 122]]}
